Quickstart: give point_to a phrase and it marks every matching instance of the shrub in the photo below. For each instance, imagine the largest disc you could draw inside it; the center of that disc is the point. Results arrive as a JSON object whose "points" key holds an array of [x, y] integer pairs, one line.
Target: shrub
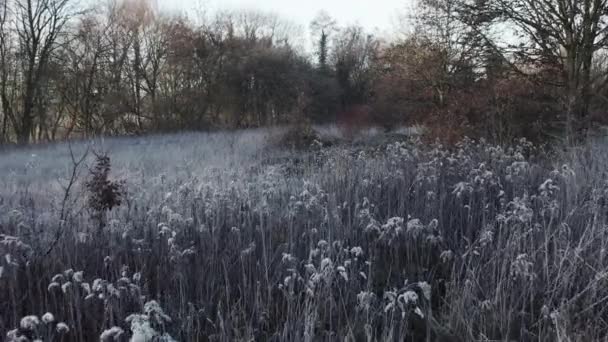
{"points": [[104, 193]]}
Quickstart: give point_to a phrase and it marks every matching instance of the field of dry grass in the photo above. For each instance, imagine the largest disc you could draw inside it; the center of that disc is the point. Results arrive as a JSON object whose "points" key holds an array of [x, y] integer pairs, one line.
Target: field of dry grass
{"points": [[220, 237]]}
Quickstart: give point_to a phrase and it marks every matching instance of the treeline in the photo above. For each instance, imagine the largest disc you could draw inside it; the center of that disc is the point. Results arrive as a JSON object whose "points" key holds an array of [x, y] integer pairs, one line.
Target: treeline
{"points": [[494, 69]]}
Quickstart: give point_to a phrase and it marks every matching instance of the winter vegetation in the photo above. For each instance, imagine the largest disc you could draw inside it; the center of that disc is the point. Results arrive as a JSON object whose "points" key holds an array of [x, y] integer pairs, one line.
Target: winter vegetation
{"points": [[493, 69], [227, 237], [206, 177]]}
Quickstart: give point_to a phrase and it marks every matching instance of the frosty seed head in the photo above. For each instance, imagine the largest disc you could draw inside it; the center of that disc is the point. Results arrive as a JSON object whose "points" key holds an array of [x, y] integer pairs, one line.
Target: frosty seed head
{"points": [[54, 287], [66, 287], [124, 281], [69, 273], [356, 251], [48, 318], [322, 244], [58, 278], [16, 336], [62, 328], [98, 285], [29, 322], [426, 289], [408, 297], [112, 334], [137, 277], [326, 264], [78, 277]]}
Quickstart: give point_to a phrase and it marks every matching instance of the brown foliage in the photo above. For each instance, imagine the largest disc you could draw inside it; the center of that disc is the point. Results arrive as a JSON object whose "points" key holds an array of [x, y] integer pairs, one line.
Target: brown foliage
{"points": [[353, 119]]}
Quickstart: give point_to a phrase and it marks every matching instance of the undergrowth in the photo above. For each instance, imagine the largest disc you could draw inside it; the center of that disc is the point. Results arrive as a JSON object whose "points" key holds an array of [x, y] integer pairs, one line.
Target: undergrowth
{"points": [[393, 242]]}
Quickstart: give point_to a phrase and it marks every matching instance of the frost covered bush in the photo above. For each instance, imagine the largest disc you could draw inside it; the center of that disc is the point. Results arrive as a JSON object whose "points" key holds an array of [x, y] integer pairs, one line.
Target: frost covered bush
{"points": [[223, 238], [151, 325], [104, 193]]}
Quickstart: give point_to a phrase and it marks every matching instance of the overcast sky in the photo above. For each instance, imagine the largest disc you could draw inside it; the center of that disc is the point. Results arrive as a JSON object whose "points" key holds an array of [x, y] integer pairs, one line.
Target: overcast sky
{"points": [[371, 14]]}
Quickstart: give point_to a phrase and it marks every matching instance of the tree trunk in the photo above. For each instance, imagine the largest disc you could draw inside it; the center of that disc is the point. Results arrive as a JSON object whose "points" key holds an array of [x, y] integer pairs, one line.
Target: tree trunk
{"points": [[4, 136], [27, 120], [24, 132]]}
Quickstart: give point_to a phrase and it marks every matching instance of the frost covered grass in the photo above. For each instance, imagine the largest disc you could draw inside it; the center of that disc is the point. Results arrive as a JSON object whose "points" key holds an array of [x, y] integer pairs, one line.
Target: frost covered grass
{"points": [[221, 238]]}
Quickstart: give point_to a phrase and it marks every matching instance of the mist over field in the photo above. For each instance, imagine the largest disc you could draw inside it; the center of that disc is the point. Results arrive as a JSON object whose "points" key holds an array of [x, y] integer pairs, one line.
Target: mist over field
{"points": [[237, 236]]}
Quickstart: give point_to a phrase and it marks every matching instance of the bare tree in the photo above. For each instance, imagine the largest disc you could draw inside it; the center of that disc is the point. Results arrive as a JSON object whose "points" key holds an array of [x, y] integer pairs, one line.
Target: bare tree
{"points": [[6, 63], [564, 34], [322, 27], [353, 58], [39, 24], [153, 60], [80, 86]]}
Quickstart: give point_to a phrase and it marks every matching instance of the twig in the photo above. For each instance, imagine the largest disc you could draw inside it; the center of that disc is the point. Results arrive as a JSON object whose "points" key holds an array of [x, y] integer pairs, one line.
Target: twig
{"points": [[66, 196]]}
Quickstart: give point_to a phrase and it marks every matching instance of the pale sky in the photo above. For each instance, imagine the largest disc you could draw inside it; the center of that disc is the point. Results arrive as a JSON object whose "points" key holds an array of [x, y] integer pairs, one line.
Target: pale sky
{"points": [[371, 14]]}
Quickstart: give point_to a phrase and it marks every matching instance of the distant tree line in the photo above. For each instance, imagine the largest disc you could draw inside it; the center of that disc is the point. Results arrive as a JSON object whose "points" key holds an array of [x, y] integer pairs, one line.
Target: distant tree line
{"points": [[490, 68]]}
